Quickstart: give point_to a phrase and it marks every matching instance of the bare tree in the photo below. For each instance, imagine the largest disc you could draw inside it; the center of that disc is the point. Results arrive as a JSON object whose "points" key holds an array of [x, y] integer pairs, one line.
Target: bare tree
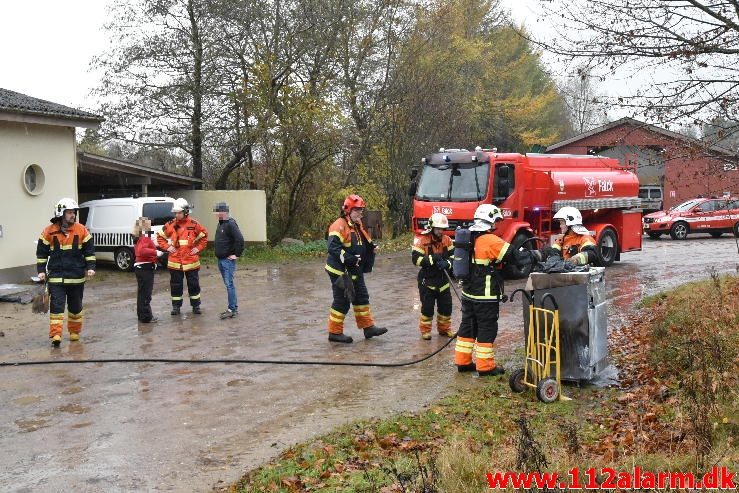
{"points": [[685, 49], [583, 100]]}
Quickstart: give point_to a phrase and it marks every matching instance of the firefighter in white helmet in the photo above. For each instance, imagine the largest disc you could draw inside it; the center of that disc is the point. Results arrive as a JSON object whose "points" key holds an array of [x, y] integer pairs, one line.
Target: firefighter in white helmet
{"points": [[65, 256], [183, 238], [431, 251], [482, 291], [576, 246]]}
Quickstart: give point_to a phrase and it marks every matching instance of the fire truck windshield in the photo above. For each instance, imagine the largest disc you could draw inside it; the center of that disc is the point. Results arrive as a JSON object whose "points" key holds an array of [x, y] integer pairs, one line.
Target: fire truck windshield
{"points": [[453, 182]]}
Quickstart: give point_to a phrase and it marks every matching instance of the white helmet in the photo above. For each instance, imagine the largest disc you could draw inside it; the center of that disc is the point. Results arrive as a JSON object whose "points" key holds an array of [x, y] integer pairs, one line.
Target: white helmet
{"points": [[437, 220], [570, 215], [64, 205], [181, 205], [485, 216]]}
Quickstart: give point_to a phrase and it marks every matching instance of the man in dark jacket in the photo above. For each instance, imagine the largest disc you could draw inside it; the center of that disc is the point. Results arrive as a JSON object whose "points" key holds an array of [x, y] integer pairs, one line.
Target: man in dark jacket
{"points": [[229, 246]]}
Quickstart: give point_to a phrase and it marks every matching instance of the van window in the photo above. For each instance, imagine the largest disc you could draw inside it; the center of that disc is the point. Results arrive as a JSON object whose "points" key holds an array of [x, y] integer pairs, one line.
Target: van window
{"points": [[643, 193], [656, 194], [84, 212], [113, 216], [158, 212]]}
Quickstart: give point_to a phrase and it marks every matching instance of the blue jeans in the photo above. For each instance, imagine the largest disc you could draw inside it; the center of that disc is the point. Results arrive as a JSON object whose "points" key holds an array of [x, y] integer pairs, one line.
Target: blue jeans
{"points": [[228, 269]]}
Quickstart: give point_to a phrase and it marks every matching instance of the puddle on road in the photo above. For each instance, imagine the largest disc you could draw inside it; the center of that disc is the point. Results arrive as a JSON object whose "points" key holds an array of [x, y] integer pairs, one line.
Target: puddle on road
{"points": [[30, 425]]}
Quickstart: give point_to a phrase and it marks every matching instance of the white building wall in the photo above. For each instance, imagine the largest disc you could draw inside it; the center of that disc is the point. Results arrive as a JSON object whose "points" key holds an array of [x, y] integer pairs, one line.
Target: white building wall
{"points": [[23, 215]]}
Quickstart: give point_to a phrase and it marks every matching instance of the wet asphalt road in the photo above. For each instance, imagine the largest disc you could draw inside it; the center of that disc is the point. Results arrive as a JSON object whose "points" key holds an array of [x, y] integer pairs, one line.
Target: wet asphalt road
{"points": [[145, 427]]}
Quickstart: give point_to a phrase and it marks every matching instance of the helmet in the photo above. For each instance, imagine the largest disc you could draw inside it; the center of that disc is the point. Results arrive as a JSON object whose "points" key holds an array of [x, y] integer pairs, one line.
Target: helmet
{"points": [[64, 205], [570, 215], [352, 202], [181, 205], [437, 220], [485, 216]]}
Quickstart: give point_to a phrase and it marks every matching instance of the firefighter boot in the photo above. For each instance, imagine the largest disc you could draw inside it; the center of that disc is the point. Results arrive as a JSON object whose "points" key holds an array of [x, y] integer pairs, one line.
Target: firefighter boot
{"points": [[196, 310], [340, 338], [56, 341], [175, 310], [74, 337], [373, 330], [426, 336], [498, 370], [466, 368]]}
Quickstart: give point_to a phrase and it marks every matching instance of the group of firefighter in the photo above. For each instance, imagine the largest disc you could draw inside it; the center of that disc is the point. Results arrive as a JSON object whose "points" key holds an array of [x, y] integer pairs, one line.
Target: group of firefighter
{"points": [[351, 254], [66, 256]]}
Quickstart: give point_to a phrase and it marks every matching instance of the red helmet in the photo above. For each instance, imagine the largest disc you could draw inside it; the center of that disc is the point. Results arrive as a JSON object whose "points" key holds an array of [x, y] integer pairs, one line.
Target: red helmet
{"points": [[352, 202]]}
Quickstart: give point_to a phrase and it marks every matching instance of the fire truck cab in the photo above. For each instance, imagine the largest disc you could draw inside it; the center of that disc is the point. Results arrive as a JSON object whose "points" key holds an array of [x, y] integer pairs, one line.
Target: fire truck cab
{"points": [[530, 189]]}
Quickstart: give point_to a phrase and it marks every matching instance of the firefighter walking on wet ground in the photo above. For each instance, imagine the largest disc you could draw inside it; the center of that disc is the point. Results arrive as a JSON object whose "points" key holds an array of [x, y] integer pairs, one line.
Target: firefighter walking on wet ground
{"points": [[183, 238], [482, 290], [65, 256], [576, 246], [431, 251], [351, 254]]}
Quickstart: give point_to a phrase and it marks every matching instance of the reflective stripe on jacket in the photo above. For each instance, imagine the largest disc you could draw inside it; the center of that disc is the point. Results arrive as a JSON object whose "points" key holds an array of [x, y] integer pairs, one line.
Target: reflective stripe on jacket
{"points": [[345, 241], [69, 255], [184, 236], [485, 284]]}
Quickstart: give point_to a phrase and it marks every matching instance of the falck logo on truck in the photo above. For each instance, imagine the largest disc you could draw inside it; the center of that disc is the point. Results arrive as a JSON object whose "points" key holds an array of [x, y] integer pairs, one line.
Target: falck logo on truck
{"points": [[603, 186], [444, 210]]}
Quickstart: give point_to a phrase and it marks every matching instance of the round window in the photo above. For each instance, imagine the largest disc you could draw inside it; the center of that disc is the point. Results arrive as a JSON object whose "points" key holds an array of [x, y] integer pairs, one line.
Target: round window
{"points": [[33, 179]]}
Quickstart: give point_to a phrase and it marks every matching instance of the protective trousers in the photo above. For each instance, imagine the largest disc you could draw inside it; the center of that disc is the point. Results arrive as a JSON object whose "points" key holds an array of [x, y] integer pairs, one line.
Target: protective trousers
{"points": [[477, 331], [72, 295], [340, 305], [176, 286], [443, 301], [145, 282]]}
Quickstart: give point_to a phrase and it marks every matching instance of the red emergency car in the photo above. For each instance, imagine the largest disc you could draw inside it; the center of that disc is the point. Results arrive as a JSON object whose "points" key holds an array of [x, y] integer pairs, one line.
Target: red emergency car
{"points": [[714, 216]]}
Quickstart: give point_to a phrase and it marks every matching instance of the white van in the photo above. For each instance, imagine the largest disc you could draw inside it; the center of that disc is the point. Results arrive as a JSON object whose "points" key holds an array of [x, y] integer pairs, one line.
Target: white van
{"points": [[110, 222]]}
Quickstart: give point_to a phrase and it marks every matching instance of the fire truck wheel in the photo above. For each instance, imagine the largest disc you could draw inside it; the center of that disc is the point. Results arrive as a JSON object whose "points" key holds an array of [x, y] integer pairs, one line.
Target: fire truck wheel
{"points": [[510, 270], [547, 390], [607, 247], [679, 230]]}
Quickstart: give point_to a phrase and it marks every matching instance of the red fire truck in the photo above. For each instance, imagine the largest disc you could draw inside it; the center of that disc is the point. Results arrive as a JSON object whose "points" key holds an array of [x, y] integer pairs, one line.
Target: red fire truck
{"points": [[530, 189]]}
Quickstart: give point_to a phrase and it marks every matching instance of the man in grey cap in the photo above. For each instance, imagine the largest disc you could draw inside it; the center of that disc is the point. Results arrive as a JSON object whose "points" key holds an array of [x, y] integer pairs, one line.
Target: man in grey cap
{"points": [[229, 245]]}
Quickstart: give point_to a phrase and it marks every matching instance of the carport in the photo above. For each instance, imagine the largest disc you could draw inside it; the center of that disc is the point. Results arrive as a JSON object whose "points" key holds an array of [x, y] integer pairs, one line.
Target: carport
{"points": [[105, 177]]}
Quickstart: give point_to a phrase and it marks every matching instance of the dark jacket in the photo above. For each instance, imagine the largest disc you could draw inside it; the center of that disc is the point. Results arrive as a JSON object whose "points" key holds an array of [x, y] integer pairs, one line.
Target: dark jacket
{"points": [[346, 241], [69, 254], [229, 240]]}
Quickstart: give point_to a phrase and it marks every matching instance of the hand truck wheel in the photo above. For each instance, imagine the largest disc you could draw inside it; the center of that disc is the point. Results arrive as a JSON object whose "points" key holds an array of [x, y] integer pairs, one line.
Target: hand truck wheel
{"points": [[516, 381], [547, 390]]}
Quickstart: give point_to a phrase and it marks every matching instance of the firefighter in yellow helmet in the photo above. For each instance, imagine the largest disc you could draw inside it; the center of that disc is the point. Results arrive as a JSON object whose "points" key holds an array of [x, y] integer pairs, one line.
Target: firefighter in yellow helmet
{"points": [[431, 251], [183, 238], [576, 246], [482, 292], [351, 254], [65, 255]]}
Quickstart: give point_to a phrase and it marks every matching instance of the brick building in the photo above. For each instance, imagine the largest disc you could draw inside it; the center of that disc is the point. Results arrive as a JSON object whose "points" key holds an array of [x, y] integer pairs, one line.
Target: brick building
{"points": [[684, 167]]}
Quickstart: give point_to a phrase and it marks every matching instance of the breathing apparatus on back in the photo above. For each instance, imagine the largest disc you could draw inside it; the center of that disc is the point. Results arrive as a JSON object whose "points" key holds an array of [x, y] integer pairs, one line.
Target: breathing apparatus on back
{"points": [[464, 239]]}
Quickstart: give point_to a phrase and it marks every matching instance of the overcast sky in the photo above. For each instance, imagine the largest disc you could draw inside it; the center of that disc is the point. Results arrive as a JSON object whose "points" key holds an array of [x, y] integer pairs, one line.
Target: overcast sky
{"points": [[46, 46]]}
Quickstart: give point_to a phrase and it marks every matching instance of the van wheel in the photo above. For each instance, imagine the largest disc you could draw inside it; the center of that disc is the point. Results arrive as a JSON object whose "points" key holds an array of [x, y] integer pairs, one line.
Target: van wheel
{"points": [[607, 247], [124, 259], [511, 270], [679, 231]]}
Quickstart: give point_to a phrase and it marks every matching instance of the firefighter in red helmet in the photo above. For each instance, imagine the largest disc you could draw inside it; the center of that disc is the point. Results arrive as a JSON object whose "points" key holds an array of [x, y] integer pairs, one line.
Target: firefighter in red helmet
{"points": [[351, 254]]}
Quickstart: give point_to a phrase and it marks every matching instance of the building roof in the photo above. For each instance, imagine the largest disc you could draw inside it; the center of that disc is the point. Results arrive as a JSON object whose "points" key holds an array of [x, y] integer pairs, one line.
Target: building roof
{"points": [[97, 171], [647, 126], [16, 104]]}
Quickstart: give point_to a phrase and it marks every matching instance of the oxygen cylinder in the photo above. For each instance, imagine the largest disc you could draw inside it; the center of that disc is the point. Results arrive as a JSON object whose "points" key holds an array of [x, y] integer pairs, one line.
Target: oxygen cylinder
{"points": [[462, 251]]}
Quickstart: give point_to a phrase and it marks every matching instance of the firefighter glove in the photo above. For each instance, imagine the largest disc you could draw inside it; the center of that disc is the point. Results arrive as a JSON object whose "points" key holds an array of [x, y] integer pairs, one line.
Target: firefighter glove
{"points": [[443, 264], [352, 260]]}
